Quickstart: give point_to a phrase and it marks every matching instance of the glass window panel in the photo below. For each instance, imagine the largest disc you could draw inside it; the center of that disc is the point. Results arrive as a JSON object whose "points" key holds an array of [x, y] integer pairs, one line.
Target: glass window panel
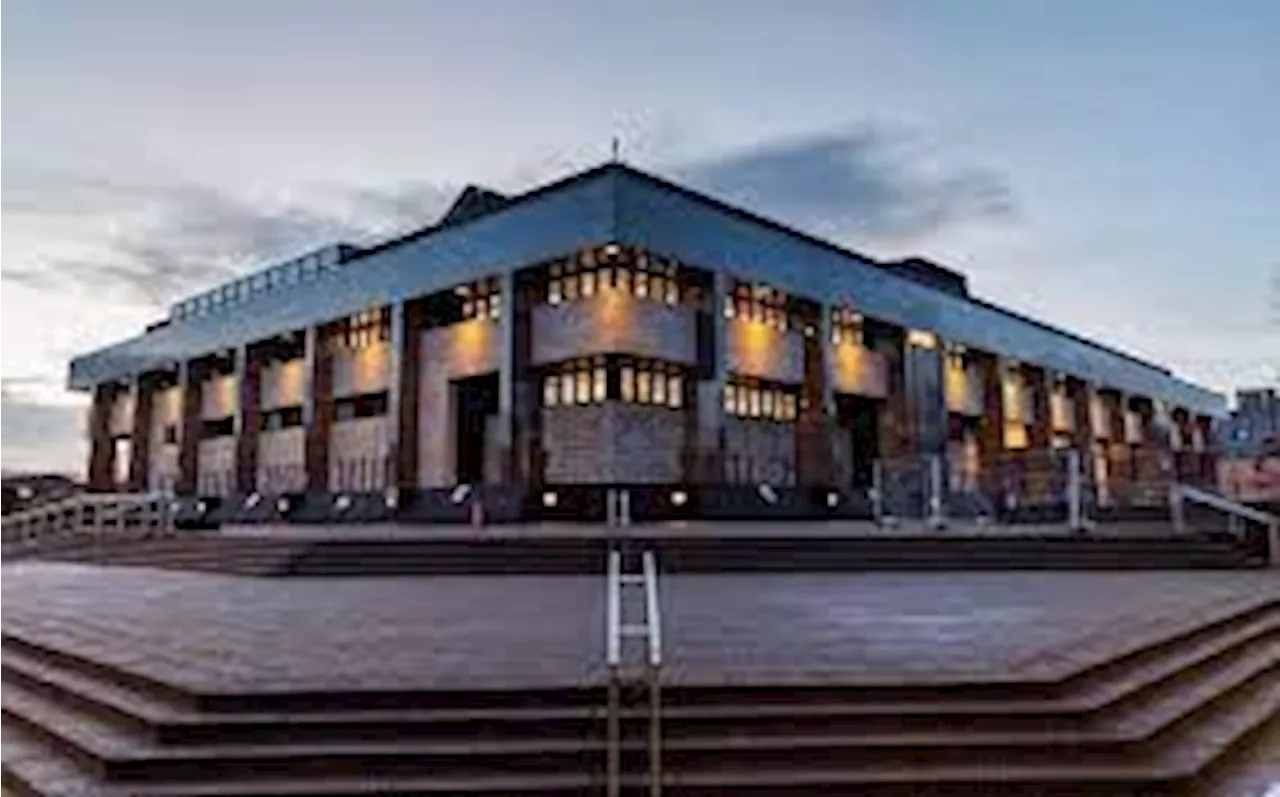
{"points": [[553, 292], [675, 391], [767, 403], [659, 388], [730, 399], [566, 387], [743, 399], [588, 283], [599, 384], [584, 386], [644, 387], [624, 280], [673, 292], [495, 305], [642, 284], [627, 383], [482, 307], [657, 286], [571, 288], [788, 407], [551, 390], [753, 405]]}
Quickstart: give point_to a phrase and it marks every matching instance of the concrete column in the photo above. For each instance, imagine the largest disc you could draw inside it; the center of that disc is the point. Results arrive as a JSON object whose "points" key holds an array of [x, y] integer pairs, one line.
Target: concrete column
{"points": [[1039, 382], [991, 428], [190, 379], [101, 446], [510, 376], [526, 419], [925, 389], [1082, 425], [142, 389], [248, 419], [318, 409], [713, 372], [402, 395], [814, 458], [1119, 455], [895, 439]]}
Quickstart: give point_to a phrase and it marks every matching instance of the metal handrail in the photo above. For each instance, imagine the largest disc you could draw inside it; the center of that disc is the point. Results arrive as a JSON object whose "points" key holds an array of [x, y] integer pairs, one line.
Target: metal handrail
{"points": [[1181, 493], [616, 631]]}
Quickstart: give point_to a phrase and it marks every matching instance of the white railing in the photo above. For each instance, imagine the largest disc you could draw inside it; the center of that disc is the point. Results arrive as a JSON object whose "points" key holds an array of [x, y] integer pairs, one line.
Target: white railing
{"points": [[90, 516], [1237, 514], [617, 630]]}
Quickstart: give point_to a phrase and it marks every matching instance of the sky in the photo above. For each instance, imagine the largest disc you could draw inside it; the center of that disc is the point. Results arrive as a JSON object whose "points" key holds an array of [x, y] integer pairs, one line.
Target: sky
{"points": [[1112, 168]]}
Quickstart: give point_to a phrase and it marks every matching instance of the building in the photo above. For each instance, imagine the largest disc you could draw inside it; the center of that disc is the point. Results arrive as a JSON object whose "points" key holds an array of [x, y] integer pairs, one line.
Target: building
{"points": [[1249, 468], [612, 328]]}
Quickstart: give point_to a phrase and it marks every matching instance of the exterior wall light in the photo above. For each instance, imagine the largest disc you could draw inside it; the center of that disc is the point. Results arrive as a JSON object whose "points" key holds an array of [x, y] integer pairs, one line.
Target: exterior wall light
{"points": [[202, 507], [342, 503], [550, 499], [612, 250], [833, 498], [282, 505], [679, 498], [252, 500]]}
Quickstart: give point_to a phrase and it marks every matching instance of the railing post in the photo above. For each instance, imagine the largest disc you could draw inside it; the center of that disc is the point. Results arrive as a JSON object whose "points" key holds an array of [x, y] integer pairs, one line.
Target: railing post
{"points": [[1176, 509], [877, 490], [936, 518], [1075, 496]]}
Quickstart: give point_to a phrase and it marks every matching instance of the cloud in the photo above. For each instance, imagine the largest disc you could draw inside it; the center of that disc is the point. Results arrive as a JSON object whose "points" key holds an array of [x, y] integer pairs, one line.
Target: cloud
{"points": [[867, 182], [39, 436], [155, 242]]}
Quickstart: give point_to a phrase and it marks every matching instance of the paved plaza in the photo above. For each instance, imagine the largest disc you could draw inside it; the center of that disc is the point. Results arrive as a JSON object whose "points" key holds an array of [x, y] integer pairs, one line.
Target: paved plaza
{"points": [[224, 633]]}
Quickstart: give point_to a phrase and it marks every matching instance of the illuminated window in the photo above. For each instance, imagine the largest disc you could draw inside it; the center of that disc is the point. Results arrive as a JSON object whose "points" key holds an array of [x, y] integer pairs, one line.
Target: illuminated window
{"points": [[555, 287], [642, 284], [673, 292], [658, 286], [588, 284], [922, 339], [767, 403], [583, 381], [551, 390], [570, 285], [599, 383], [659, 388], [495, 305], [627, 383], [788, 407], [743, 402], [624, 280], [730, 399], [566, 388], [675, 391], [644, 387], [753, 404]]}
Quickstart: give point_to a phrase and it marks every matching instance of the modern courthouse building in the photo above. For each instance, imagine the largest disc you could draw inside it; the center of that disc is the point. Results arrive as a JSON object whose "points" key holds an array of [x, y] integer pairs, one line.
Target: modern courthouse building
{"points": [[614, 329]]}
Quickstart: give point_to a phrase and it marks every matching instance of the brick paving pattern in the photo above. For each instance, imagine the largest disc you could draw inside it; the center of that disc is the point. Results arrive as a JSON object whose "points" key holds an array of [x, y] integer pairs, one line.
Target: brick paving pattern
{"points": [[221, 633]]}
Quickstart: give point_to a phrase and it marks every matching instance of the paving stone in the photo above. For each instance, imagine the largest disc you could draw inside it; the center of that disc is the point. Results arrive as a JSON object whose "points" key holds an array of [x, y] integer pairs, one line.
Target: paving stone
{"points": [[224, 633]]}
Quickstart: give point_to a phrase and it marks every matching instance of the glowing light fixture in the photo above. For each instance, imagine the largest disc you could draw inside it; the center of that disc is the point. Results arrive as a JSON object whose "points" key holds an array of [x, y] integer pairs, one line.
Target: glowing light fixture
{"points": [[679, 498], [550, 499]]}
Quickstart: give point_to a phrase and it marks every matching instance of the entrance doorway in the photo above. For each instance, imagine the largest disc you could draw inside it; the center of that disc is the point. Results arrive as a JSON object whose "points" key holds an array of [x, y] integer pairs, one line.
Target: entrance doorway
{"points": [[861, 417], [476, 400]]}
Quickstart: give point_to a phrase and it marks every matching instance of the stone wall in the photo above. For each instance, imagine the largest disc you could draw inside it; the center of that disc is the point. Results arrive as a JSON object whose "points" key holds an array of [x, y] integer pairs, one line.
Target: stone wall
{"points": [[613, 443], [216, 466], [219, 397], [613, 321], [282, 461], [359, 454], [162, 457], [361, 371], [471, 348], [283, 384], [754, 348], [858, 371], [760, 451]]}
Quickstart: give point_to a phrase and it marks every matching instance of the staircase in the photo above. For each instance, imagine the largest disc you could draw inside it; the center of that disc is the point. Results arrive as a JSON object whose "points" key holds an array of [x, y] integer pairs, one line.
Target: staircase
{"points": [[1149, 722], [693, 551]]}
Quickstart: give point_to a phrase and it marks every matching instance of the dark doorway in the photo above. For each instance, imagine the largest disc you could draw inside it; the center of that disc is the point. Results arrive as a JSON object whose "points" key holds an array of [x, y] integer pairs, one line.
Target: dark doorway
{"points": [[476, 400], [861, 417]]}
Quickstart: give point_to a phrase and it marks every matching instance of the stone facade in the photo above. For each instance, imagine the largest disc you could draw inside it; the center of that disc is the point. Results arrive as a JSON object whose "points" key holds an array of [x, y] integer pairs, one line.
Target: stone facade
{"points": [[613, 321], [613, 442], [471, 348], [759, 451]]}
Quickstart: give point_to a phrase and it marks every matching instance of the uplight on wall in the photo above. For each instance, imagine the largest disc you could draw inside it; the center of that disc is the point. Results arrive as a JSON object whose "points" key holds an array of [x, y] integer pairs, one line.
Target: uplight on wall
{"points": [[550, 499], [921, 339]]}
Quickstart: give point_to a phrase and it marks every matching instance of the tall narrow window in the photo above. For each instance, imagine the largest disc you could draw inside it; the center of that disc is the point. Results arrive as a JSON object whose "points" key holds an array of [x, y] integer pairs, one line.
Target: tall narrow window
{"points": [[566, 387], [642, 284], [495, 305], [627, 383], [624, 280], [644, 387], [766, 403], [675, 391], [753, 405], [599, 383], [657, 286], [743, 402], [588, 284], [584, 385], [554, 288], [659, 388], [551, 390], [731, 399], [570, 285], [673, 291]]}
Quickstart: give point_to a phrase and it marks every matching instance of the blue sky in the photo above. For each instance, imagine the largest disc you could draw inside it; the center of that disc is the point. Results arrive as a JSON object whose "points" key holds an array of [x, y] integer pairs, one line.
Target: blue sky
{"points": [[1110, 167]]}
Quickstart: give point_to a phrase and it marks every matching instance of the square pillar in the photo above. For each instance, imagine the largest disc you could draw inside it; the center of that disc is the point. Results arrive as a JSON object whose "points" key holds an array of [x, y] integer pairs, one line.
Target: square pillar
{"points": [[895, 439], [317, 408], [140, 434], [248, 419], [713, 373], [190, 378], [814, 443], [991, 427], [101, 446], [1038, 383], [402, 394]]}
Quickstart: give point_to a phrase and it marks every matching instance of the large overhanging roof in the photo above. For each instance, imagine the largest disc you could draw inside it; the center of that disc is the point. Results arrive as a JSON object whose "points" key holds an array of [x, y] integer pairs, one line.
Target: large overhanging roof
{"points": [[620, 204]]}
